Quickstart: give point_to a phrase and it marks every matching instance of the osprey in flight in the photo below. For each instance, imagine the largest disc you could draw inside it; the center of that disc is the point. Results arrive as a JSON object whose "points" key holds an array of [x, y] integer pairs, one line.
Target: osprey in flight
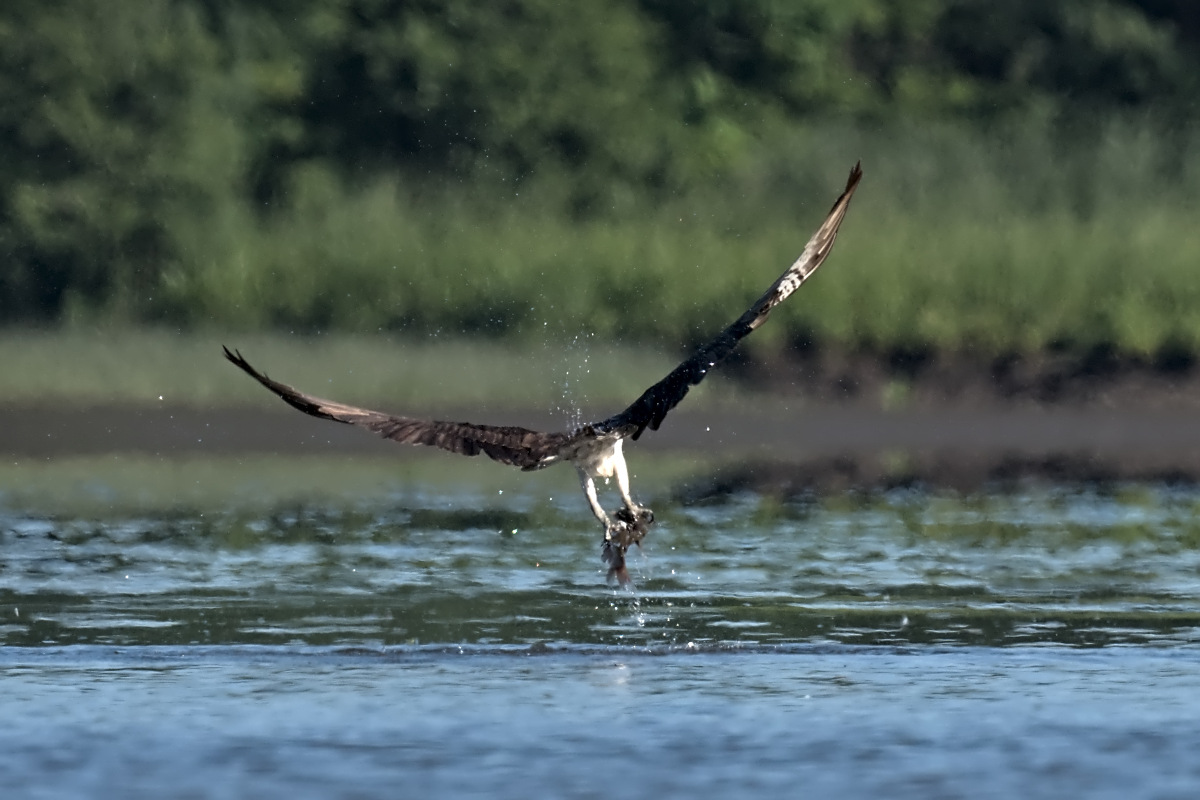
{"points": [[596, 448]]}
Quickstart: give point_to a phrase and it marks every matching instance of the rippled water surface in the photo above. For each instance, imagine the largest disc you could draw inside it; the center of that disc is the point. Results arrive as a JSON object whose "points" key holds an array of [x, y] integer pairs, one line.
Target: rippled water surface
{"points": [[1041, 644]]}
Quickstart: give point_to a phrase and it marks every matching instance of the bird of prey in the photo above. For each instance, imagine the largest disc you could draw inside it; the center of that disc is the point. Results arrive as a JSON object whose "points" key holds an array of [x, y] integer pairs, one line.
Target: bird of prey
{"points": [[595, 448]]}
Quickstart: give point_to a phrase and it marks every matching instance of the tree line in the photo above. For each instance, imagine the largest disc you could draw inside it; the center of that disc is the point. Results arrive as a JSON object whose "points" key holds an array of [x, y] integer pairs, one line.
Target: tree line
{"points": [[149, 147]]}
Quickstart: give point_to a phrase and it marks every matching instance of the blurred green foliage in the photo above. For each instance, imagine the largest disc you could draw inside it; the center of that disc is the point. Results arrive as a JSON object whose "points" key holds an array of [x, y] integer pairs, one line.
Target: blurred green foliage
{"points": [[443, 165]]}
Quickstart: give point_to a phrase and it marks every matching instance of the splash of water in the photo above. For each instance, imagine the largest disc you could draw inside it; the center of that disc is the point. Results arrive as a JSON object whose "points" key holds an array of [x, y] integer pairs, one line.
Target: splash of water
{"points": [[574, 366]]}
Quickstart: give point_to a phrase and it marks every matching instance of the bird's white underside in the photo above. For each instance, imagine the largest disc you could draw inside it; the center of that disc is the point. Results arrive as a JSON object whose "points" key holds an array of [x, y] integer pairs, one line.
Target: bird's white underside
{"points": [[602, 457]]}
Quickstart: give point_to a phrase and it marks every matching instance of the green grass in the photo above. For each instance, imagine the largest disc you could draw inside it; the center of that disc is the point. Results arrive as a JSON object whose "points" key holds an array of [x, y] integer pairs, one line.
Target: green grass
{"points": [[120, 485], [1018, 239], [155, 366]]}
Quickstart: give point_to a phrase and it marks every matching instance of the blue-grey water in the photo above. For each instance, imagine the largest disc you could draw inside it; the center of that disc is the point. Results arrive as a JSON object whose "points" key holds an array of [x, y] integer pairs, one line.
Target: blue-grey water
{"points": [[911, 645]]}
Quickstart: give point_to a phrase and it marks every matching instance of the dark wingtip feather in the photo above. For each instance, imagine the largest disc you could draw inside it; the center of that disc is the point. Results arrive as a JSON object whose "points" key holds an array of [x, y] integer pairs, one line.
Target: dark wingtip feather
{"points": [[294, 398], [652, 407], [235, 356]]}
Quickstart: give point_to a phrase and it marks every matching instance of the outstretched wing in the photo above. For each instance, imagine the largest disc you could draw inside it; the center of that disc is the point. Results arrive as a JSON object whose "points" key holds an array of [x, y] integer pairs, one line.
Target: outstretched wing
{"points": [[649, 410], [507, 444]]}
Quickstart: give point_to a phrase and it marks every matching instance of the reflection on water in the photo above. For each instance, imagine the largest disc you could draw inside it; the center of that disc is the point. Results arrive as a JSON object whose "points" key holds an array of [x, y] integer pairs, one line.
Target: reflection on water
{"points": [[909, 645], [905, 569]]}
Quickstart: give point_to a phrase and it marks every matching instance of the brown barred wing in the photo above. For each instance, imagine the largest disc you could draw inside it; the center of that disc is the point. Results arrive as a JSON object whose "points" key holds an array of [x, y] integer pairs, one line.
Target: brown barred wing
{"points": [[519, 447]]}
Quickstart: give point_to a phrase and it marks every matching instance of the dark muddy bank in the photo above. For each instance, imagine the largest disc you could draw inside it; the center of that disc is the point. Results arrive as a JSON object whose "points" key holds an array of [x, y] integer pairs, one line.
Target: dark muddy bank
{"points": [[784, 451], [915, 377]]}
